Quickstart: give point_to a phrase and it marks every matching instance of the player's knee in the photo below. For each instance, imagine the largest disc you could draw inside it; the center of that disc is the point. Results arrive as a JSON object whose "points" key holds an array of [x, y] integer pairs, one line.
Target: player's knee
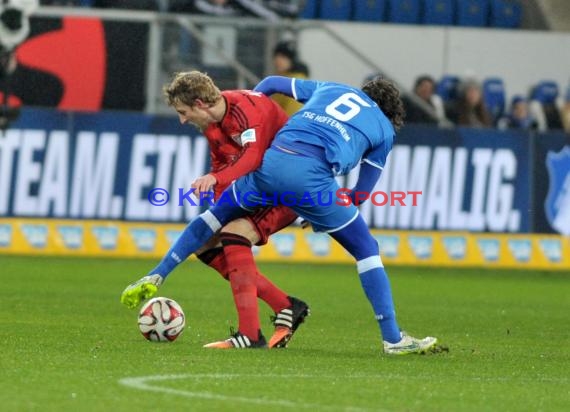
{"points": [[370, 246], [244, 228], [214, 258], [365, 247]]}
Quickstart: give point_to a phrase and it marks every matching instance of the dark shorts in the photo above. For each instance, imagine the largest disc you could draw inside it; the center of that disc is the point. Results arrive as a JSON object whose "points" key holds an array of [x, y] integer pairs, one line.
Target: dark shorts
{"points": [[270, 220]]}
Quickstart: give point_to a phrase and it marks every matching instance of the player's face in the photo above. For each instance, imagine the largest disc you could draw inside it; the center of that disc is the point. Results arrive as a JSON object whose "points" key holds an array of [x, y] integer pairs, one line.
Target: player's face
{"points": [[196, 115]]}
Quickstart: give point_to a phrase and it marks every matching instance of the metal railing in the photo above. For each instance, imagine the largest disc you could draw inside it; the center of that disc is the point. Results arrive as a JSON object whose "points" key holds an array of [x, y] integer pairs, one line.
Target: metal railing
{"points": [[170, 33]]}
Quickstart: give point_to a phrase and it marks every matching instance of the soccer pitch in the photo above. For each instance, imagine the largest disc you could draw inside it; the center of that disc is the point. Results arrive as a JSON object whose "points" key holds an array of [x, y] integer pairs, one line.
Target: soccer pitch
{"points": [[68, 344]]}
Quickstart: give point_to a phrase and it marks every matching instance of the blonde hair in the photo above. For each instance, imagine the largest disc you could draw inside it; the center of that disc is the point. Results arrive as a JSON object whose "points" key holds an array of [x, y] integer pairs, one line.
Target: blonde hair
{"points": [[186, 87]]}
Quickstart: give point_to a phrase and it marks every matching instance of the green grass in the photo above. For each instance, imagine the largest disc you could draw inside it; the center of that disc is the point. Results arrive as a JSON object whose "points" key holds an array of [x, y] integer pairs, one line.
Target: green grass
{"points": [[67, 342]]}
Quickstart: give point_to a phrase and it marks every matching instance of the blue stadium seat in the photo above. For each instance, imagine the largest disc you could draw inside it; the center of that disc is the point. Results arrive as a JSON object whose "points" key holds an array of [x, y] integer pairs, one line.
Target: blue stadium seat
{"points": [[441, 12], [310, 10], [447, 88], [506, 13], [404, 11], [473, 13], [369, 10], [545, 92], [335, 9], [494, 96], [544, 106]]}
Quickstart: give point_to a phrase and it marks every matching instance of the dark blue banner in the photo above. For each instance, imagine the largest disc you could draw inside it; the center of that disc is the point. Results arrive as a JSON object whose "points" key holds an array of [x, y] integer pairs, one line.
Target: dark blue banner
{"points": [[470, 179], [97, 166], [103, 166]]}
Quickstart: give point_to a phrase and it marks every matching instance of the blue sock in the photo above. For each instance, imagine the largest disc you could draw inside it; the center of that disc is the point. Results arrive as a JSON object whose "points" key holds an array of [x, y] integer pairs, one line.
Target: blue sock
{"points": [[198, 232], [358, 241], [377, 288]]}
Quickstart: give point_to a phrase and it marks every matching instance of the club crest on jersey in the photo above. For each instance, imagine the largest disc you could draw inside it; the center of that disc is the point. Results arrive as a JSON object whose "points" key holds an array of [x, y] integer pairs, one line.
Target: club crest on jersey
{"points": [[247, 137], [557, 202]]}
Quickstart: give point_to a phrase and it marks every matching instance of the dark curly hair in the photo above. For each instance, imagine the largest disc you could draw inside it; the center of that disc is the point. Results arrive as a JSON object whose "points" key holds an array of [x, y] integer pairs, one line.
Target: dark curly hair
{"points": [[387, 96]]}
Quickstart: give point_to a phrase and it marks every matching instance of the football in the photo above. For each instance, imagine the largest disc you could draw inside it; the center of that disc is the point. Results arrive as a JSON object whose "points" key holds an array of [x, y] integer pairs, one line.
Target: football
{"points": [[161, 320]]}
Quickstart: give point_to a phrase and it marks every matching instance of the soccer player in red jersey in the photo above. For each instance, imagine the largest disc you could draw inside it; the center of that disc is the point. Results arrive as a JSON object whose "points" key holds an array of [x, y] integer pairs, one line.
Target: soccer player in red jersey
{"points": [[239, 126]]}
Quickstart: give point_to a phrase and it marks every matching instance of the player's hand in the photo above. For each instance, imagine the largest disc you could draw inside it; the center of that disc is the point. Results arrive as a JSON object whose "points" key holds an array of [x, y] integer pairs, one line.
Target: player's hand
{"points": [[204, 184], [142, 289]]}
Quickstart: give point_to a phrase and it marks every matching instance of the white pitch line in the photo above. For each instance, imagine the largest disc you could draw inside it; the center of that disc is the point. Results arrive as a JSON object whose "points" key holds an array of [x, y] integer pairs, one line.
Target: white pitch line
{"points": [[144, 383]]}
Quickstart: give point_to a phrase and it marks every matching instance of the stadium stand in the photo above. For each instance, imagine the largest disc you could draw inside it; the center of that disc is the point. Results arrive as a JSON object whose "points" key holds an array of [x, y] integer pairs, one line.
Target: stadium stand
{"points": [[494, 97], [438, 12], [310, 10], [335, 9], [404, 11], [370, 10], [506, 13], [472, 13], [518, 116]]}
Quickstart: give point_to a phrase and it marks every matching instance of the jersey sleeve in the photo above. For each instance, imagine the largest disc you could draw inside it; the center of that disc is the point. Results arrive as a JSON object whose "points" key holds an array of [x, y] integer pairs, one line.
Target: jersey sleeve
{"points": [[377, 155], [216, 162], [367, 178], [255, 144], [275, 84], [303, 89], [299, 89]]}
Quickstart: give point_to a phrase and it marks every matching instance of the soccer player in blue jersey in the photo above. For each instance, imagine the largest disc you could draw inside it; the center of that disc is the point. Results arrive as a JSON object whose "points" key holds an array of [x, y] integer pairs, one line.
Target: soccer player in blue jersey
{"points": [[338, 128]]}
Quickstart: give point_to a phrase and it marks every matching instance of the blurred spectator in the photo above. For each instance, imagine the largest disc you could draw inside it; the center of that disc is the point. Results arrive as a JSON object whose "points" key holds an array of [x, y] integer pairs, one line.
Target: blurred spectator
{"points": [[545, 105], [565, 114], [519, 116], [224, 8], [14, 29], [285, 8], [565, 110], [287, 63], [286, 60], [424, 89], [469, 108]]}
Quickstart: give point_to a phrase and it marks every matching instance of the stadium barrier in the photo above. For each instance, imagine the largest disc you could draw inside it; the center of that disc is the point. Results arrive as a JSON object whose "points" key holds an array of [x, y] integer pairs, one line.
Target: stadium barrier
{"points": [[104, 165], [92, 238], [77, 183]]}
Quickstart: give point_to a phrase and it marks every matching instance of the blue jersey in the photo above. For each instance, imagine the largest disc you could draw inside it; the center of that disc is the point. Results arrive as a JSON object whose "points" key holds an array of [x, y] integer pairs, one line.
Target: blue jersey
{"points": [[343, 120]]}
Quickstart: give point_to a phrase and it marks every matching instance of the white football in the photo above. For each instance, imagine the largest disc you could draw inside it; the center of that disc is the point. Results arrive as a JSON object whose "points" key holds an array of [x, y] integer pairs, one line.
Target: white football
{"points": [[161, 320]]}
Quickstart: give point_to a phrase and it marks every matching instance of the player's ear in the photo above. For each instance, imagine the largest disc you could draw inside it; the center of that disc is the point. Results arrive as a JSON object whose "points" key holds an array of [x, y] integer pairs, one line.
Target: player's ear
{"points": [[200, 104]]}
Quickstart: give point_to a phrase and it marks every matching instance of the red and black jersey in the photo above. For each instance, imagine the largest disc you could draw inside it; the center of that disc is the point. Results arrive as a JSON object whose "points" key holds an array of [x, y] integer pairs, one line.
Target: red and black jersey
{"points": [[238, 142]]}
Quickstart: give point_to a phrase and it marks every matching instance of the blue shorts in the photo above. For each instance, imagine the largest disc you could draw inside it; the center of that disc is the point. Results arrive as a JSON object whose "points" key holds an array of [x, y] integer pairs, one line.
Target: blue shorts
{"points": [[304, 183]]}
